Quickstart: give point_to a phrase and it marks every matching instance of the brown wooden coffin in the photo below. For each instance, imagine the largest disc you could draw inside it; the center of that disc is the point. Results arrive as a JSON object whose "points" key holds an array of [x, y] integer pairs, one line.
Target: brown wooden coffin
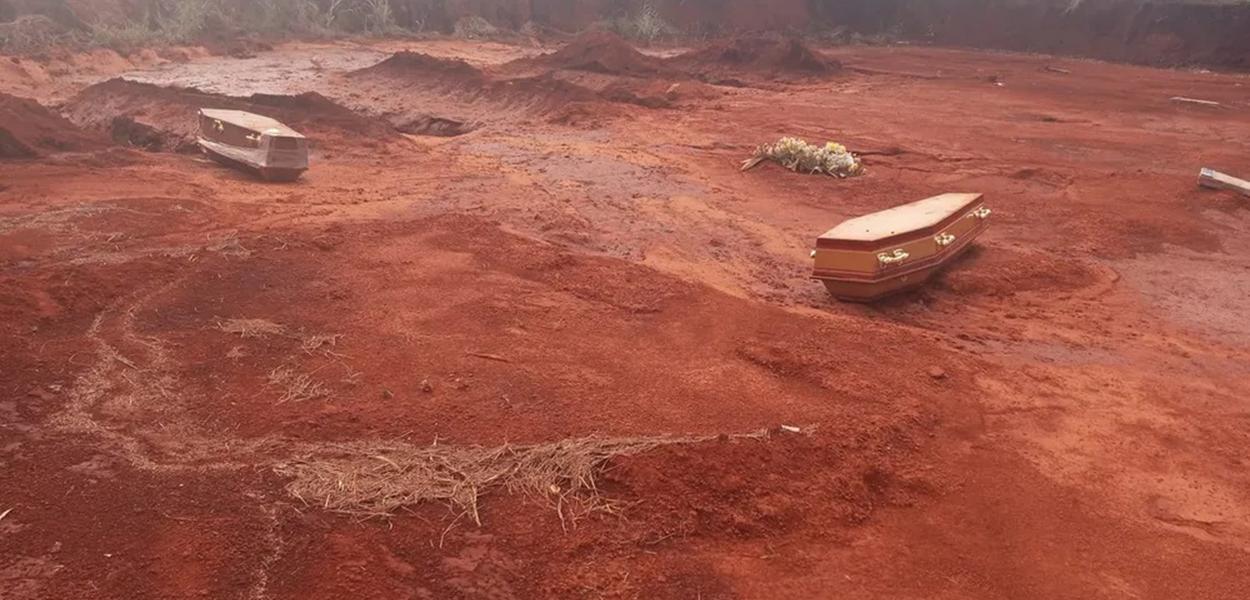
{"points": [[253, 142], [869, 257]]}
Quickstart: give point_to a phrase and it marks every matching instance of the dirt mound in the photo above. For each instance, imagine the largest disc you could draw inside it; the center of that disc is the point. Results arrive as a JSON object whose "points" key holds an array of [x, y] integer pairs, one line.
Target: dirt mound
{"points": [[144, 115], [601, 52], [160, 118], [760, 55], [28, 130], [408, 64], [312, 112], [406, 81]]}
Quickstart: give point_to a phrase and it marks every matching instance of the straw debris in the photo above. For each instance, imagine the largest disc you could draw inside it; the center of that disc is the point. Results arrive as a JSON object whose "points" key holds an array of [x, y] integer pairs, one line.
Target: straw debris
{"points": [[296, 387], [376, 479], [317, 342], [832, 159], [251, 328]]}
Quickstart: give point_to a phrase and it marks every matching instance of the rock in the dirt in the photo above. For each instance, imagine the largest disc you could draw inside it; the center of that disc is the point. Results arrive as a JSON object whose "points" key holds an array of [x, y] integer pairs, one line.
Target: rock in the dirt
{"points": [[937, 373]]}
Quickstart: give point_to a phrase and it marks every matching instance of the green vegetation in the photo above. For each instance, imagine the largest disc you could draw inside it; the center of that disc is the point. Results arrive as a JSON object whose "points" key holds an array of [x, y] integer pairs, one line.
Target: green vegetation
{"points": [[474, 27], [30, 34], [645, 25], [186, 21]]}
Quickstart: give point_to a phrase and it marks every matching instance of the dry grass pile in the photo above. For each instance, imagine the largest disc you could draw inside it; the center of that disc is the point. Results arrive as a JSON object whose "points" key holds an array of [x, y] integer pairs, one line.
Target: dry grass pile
{"points": [[320, 341], [380, 478], [832, 159], [296, 386]]}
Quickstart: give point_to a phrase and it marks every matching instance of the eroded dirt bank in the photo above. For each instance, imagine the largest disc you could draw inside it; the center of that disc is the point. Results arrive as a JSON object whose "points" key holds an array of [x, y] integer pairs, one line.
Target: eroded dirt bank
{"points": [[203, 378]]}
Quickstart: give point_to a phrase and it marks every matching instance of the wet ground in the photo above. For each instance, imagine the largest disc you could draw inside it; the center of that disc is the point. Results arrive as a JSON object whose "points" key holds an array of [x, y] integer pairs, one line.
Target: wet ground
{"points": [[1061, 414]]}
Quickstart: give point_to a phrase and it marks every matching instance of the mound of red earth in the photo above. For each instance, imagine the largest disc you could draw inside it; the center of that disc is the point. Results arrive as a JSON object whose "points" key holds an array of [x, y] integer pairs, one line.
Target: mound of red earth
{"points": [[410, 64], [408, 75], [164, 118], [312, 112], [406, 68], [769, 56], [29, 130], [600, 52]]}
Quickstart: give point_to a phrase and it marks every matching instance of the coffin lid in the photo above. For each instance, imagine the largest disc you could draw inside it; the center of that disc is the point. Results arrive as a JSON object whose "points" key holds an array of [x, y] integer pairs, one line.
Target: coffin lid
{"points": [[903, 222], [251, 121]]}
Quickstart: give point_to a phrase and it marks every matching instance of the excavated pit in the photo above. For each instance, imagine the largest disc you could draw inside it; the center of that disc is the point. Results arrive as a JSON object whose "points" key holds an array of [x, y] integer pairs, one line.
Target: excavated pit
{"points": [[159, 118]]}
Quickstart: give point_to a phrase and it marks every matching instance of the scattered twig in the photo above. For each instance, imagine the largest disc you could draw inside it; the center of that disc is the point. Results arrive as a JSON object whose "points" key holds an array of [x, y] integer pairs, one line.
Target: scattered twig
{"points": [[443, 537], [319, 342], [375, 479], [1184, 100], [250, 328], [297, 387], [125, 361], [494, 357], [1054, 69], [752, 162], [5, 514]]}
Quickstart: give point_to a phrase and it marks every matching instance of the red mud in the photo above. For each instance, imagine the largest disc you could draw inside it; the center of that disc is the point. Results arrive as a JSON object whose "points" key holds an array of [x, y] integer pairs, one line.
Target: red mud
{"points": [[402, 86], [767, 56], [28, 130], [425, 67], [595, 68], [1071, 392], [163, 118], [600, 52]]}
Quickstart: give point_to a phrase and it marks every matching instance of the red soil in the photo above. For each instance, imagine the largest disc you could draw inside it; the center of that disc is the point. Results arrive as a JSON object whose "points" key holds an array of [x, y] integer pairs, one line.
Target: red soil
{"points": [[769, 56], [163, 118], [28, 130], [1072, 392], [600, 52], [403, 86], [423, 66]]}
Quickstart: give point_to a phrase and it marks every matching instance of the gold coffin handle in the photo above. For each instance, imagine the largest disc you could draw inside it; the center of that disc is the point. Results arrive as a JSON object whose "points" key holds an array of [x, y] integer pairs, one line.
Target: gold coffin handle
{"points": [[982, 213], [944, 240], [890, 258]]}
